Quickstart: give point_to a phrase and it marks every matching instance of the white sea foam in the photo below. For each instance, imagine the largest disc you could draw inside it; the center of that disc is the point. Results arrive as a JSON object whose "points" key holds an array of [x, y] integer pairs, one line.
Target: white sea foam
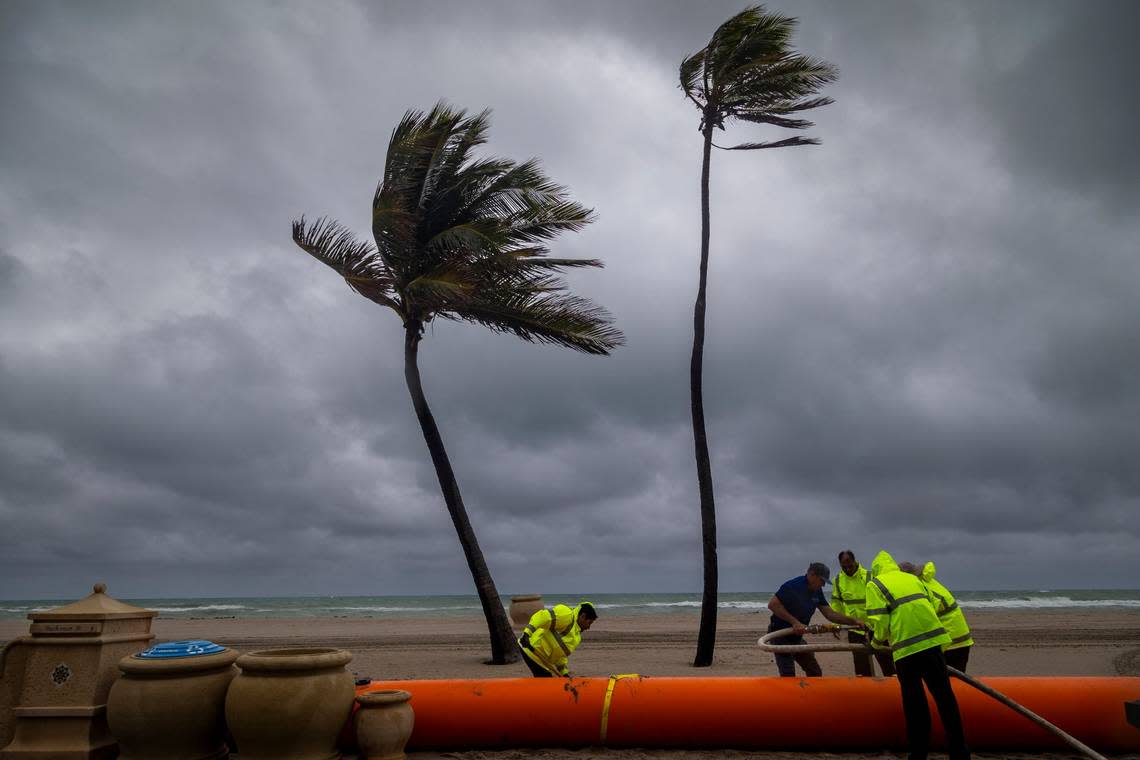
{"points": [[686, 603], [642, 605], [1048, 602], [202, 608], [690, 604], [610, 604], [379, 608]]}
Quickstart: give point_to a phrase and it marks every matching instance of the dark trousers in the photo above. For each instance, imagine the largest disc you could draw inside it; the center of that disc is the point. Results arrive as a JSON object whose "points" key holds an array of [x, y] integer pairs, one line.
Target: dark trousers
{"points": [[537, 670], [929, 667], [862, 660], [786, 663], [957, 658]]}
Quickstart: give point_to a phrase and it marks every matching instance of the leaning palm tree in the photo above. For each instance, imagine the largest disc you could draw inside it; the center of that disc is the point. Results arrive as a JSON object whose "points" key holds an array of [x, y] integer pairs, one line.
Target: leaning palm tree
{"points": [[462, 238], [746, 72]]}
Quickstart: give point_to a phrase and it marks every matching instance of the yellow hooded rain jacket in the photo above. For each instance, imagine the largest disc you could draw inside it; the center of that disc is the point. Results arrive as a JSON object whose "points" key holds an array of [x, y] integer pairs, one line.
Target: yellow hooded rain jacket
{"points": [[553, 634], [948, 611], [900, 609]]}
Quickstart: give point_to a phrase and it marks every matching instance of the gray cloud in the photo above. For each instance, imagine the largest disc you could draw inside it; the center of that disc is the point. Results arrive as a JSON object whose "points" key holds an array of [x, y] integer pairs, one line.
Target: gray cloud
{"points": [[920, 332], [1064, 115]]}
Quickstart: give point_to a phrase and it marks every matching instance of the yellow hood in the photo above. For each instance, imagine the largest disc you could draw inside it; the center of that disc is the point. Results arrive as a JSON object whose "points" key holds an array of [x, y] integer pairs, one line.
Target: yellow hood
{"points": [[883, 563]]}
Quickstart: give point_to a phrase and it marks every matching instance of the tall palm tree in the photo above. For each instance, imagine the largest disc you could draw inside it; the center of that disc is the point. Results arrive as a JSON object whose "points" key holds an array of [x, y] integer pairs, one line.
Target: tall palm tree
{"points": [[747, 72], [462, 238]]}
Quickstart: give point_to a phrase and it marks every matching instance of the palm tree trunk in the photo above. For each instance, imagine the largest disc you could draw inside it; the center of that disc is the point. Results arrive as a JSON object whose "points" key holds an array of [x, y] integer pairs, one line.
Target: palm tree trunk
{"points": [[706, 638], [503, 646]]}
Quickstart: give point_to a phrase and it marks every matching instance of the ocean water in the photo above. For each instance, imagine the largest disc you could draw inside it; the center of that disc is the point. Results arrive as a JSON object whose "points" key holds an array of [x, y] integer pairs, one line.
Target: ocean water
{"points": [[617, 604]]}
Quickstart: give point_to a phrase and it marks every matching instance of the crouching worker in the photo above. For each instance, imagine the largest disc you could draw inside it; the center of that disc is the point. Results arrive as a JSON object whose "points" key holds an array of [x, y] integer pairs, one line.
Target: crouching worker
{"points": [[551, 635]]}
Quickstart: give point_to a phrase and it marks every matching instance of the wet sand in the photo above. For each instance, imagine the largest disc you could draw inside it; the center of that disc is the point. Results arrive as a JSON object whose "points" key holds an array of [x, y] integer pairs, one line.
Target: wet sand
{"points": [[1017, 643]]}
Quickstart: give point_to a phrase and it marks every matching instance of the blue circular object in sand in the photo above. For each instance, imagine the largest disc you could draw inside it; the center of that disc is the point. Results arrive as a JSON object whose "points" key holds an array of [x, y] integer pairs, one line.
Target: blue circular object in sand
{"points": [[180, 649]]}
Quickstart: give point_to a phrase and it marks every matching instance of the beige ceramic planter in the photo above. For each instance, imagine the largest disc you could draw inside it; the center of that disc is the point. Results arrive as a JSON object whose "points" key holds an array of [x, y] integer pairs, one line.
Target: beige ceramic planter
{"points": [[171, 709], [383, 724], [522, 607], [290, 704]]}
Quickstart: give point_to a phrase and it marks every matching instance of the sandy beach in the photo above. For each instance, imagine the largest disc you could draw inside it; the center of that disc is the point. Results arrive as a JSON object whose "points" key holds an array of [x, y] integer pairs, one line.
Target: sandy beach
{"points": [[1064, 642], [1021, 643]]}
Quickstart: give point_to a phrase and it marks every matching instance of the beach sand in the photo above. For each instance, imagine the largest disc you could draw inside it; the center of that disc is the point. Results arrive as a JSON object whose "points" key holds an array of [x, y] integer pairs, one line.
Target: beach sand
{"points": [[1064, 642]]}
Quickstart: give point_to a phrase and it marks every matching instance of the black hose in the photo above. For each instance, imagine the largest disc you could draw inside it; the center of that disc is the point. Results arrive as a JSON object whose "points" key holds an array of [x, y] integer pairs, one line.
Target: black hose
{"points": [[1070, 740]]}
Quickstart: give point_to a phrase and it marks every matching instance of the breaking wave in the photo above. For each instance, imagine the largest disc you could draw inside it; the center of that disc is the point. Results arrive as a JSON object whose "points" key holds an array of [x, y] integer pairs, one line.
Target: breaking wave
{"points": [[1047, 602]]}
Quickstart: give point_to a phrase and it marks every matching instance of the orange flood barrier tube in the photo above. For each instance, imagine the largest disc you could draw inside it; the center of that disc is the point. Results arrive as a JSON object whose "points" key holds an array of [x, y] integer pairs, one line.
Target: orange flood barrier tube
{"points": [[752, 713]]}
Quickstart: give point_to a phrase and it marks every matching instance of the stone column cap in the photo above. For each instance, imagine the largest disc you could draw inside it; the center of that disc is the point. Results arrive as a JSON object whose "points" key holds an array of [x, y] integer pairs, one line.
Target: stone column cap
{"points": [[95, 606]]}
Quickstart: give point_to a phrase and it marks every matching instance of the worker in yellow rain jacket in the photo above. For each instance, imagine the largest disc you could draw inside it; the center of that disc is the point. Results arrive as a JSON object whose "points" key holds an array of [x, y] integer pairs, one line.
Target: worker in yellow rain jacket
{"points": [[953, 620], [551, 635], [849, 597], [900, 612]]}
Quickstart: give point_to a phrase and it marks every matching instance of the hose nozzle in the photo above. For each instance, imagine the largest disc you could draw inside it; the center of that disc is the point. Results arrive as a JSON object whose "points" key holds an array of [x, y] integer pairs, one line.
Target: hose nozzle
{"points": [[825, 628]]}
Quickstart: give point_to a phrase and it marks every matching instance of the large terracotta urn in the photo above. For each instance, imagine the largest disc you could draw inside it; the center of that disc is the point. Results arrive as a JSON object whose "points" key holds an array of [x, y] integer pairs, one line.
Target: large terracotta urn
{"points": [[290, 704], [169, 703], [522, 607], [383, 724]]}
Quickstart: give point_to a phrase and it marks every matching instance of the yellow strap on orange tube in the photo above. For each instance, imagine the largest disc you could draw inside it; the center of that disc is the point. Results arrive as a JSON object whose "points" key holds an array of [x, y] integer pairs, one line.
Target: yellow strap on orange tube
{"points": [[606, 703]]}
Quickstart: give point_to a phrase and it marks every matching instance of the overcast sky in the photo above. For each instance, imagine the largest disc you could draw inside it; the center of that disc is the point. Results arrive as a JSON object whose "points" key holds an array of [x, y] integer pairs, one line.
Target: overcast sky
{"points": [[922, 334]]}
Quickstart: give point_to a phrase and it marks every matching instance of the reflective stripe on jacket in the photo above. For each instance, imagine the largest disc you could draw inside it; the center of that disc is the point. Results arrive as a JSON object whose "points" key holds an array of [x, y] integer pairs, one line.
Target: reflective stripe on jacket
{"points": [[948, 611], [900, 609], [553, 634], [849, 594]]}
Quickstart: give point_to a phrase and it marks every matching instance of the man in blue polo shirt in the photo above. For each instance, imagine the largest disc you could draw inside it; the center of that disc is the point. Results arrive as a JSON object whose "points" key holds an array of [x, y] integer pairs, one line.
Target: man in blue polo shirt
{"points": [[792, 607]]}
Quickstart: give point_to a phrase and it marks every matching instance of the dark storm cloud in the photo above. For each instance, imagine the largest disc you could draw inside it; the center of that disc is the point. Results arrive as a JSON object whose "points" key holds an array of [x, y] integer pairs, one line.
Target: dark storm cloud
{"points": [[1066, 109], [920, 332]]}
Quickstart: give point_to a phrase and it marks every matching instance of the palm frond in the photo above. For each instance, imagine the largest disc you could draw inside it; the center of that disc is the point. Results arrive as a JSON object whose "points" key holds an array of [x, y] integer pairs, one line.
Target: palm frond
{"points": [[690, 75], [517, 190], [555, 319], [776, 121], [438, 288], [789, 78], [535, 262], [749, 72], [328, 242], [419, 148], [355, 261], [751, 35], [456, 137], [786, 143], [782, 109], [464, 238], [543, 221], [517, 271], [461, 245]]}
